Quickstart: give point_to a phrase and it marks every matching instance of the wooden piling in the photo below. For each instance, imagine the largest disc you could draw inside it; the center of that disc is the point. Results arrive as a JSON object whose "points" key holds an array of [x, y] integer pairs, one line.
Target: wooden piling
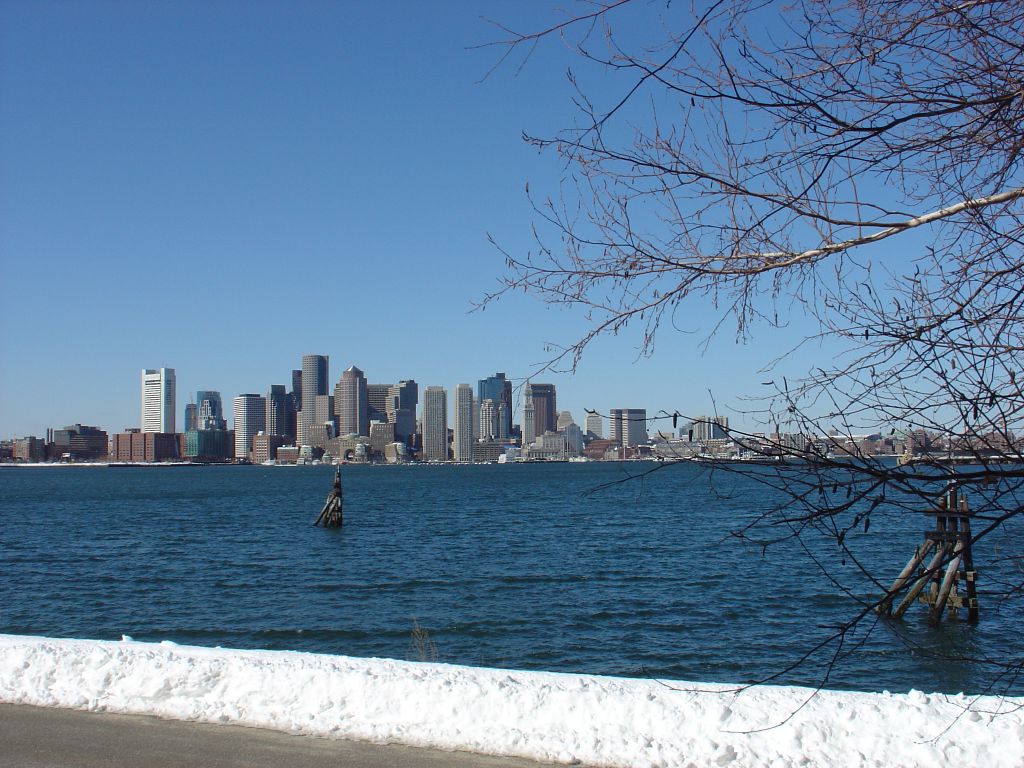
{"points": [[332, 515], [951, 563]]}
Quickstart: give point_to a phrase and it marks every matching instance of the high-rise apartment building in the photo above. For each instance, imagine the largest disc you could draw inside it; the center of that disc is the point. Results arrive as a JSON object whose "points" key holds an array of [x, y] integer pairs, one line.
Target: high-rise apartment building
{"points": [[462, 443], [314, 384], [435, 424], [351, 403], [544, 407], [278, 421], [158, 392], [488, 420], [250, 413]]}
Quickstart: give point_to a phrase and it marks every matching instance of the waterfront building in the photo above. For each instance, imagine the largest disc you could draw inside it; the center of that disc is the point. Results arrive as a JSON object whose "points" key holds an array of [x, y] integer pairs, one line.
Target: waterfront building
{"points": [[265, 447], [210, 410], [313, 384], [209, 444], [29, 449], [158, 396], [278, 421], [547, 447], [137, 446], [288, 454], [544, 407], [498, 389], [382, 434], [628, 426], [462, 445], [250, 413], [710, 428], [435, 424], [403, 398], [573, 438], [595, 429], [351, 403], [79, 442], [377, 401]]}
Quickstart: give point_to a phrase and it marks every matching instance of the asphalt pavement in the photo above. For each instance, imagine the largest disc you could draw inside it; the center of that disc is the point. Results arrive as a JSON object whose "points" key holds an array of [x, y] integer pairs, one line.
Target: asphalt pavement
{"points": [[34, 737]]}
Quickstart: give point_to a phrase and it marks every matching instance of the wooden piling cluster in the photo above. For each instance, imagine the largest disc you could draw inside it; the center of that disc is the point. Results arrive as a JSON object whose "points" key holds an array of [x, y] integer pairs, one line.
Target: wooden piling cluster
{"points": [[331, 516], [951, 562]]}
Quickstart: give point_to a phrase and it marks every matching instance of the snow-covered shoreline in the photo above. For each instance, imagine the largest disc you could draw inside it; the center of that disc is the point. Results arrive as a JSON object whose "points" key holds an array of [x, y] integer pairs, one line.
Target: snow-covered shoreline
{"points": [[540, 715]]}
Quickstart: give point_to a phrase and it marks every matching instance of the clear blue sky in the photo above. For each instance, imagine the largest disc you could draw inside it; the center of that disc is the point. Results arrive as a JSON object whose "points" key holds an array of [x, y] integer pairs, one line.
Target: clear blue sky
{"points": [[223, 187]]}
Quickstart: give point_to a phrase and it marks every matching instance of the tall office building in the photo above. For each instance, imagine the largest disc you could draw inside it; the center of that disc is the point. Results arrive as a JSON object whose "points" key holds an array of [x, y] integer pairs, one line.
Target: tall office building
{"points": [[594, 426], [351, 403], [210, 411], [314, 384], [710, 428], [250, 418], [544, 417], [191, 417], [278, 421], [462, 444], [499, 389], [628, 426], [564, 420], [377, 397], [435, 424], [402, 400], [158, 407]]}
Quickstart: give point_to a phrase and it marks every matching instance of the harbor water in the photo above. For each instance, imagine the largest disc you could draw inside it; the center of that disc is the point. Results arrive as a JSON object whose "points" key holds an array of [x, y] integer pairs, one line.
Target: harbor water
{"points": [[532, 566]]}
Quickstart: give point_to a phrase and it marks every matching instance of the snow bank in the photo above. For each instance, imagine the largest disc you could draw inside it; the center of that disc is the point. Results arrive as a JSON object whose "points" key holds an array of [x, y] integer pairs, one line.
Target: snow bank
{"points": [[541, 715]]}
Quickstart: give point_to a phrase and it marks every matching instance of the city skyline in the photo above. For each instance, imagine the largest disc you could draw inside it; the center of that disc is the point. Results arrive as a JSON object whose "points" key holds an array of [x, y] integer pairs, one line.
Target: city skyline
{"points": [[216, 149]]}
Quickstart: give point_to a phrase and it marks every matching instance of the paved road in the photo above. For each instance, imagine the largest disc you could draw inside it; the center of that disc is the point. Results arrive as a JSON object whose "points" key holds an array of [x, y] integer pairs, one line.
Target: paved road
{"points": [[33, 737]]}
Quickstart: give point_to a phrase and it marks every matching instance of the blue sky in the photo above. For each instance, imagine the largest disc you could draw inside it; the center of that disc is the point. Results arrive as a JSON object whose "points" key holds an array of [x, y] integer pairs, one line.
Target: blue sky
{"points": [[223, 187]]}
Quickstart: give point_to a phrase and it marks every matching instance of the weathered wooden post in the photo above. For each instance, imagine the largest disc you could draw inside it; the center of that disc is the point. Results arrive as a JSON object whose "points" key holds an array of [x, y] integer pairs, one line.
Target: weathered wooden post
{"points": [[331, 516], [951, 538]]}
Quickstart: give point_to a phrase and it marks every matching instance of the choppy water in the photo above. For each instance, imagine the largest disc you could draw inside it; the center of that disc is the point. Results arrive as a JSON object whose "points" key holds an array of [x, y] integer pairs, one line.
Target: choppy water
{"points": [[510, 566]]}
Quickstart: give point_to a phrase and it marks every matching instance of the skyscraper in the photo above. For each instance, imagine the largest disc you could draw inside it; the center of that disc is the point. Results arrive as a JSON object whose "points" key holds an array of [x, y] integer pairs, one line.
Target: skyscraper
{"points": [[564, 420], [628, 426], [488, 420], [594, 426], [250, 417], [158, 392], [462, 446], [210, 411], [351, 403], [435, 424], [314, 384], [543, 396], [402, 400], [277, 420], [377, 397], [191, 417], [499, 389]]}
